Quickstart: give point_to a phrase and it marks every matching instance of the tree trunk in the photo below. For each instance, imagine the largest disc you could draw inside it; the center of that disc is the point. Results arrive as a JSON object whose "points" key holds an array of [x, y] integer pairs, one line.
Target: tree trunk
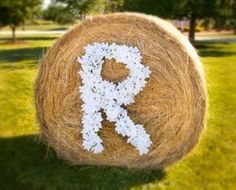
{"points": [[192, 26], [13, 29]]}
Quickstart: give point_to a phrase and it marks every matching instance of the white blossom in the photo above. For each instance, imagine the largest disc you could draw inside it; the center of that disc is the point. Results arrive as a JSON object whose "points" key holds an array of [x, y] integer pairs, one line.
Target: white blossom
{"points": [[98, 94]]}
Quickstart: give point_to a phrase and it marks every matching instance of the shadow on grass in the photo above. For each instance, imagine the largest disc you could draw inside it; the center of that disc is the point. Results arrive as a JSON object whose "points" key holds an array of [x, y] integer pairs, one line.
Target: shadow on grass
{"points": [[215, 53], [17, 66], [24, 165], [59, 28], [15, 55], [209, 49], [31, 38]]}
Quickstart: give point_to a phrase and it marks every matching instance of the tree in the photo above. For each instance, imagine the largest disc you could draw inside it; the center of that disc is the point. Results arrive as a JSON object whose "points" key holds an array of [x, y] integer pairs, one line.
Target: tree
{"points": [[58, 14], [233, 22], [226, 17], [80, 8], [15, 12], [163, 8], [194, 10], [190, 9], [112, 6]]}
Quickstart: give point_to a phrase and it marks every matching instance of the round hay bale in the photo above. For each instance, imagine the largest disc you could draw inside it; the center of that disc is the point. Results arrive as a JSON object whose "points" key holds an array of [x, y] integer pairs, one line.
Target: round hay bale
{"points": [[171, 107]]}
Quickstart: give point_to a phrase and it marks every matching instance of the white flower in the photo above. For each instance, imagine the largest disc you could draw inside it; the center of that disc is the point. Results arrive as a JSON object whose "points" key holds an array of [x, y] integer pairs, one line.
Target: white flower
{"points": [[97, 94]]}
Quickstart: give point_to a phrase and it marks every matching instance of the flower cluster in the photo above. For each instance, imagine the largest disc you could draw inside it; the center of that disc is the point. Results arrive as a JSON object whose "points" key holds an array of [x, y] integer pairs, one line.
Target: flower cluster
{"points": [[98, 94]]}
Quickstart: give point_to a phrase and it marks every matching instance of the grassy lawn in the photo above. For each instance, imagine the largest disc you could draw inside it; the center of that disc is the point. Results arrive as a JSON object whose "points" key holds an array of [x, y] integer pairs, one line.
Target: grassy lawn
{"points": [[40, 26], [27, 164]]}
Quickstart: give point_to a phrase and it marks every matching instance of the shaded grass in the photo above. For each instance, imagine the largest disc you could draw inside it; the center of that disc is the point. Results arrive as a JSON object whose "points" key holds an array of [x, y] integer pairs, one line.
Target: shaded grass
{"points": [[17, 55], [32, 169], [25, 163], [6, 38], [40, 27], [210, 49]]}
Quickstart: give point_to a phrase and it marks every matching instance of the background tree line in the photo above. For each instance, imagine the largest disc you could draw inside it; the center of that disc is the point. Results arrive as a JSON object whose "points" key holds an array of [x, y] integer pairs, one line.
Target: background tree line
{"points": [[222, 13]]}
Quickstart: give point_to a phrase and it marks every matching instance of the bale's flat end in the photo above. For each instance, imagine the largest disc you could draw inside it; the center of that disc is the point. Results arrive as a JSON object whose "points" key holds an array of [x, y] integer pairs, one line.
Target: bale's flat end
{"points": [[171, 107]]}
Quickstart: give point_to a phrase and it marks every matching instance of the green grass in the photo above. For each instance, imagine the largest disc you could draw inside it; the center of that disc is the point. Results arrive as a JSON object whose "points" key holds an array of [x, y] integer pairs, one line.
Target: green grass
{"points": [[40, 27], [27, 164]]}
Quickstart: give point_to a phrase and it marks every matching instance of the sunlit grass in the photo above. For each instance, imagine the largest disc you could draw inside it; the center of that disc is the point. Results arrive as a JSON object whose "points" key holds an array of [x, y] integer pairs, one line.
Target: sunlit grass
{"points": [[25, 163]]}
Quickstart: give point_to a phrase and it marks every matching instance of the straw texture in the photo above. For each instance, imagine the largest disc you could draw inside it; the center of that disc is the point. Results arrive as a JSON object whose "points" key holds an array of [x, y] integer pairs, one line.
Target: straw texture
{"points": [[171, 107]]}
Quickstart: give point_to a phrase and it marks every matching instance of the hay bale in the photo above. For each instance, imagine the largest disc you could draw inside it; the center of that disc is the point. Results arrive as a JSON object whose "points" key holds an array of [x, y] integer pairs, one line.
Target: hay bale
{"points": [[171, 107]]}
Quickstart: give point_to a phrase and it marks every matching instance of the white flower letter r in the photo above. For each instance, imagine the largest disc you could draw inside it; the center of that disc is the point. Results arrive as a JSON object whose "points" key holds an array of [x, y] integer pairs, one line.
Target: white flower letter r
{"points": [[97, 93]]}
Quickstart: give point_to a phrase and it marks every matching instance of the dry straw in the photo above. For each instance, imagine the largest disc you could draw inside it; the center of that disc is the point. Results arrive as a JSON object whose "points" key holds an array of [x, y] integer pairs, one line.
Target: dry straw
{"points": [[171, 107]]}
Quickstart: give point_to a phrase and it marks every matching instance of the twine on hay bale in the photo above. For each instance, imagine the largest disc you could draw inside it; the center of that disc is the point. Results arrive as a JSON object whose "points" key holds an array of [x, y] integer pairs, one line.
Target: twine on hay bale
{"points": [[171, 107]]}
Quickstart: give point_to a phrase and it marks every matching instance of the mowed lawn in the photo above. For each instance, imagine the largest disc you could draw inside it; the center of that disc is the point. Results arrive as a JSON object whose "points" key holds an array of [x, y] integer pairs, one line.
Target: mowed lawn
{"points": [[27, 164]]}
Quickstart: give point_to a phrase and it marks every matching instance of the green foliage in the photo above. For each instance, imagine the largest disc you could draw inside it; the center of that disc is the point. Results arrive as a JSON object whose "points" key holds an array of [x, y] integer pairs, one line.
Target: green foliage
{"points": [[226, 14], [113, 6], [222, 12], [162, 8], [16, 12], [58, 14], [177, 9], [193, 10], [173, 9], [78, 8], [201, 9], [93, 7]]}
